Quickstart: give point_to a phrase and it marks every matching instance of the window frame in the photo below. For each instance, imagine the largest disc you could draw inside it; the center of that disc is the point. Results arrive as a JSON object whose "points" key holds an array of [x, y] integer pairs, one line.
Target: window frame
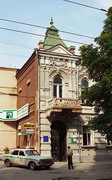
{"points": [[15, 154], [57, 87], [22, 152], [87, 132], [82, 83], [83, 87]]}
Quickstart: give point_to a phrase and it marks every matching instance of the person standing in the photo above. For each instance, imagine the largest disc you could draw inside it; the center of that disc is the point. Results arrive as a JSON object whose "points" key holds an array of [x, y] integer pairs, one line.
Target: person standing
{"points": [[69, 157]]}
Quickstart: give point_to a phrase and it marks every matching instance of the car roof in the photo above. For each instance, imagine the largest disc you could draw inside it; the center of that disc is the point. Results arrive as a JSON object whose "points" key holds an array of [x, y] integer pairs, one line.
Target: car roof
{"points": [[21, 149]]}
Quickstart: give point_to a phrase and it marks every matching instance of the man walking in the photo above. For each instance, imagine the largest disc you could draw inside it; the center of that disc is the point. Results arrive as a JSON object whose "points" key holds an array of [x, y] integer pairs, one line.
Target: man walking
{"points": [[69, 156]]}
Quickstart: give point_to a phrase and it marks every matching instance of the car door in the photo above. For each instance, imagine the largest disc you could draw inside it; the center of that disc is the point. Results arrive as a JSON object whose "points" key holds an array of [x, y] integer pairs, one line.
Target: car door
{"points": [[15, 157], [22, 158]]}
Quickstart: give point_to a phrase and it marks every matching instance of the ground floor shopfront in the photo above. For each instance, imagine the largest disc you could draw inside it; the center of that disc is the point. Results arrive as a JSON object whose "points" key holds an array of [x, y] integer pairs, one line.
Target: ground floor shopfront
{"points": [[59, 127]]}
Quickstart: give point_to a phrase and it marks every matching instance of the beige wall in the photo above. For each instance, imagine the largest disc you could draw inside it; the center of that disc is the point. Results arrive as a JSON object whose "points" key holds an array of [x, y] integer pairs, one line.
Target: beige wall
{"points": [[8, 135], [8, 86]]}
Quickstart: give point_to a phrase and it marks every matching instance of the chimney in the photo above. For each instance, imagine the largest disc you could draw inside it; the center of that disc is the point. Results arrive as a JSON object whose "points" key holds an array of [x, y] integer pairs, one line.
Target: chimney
{"points": [[72, 49], [41, 45]]}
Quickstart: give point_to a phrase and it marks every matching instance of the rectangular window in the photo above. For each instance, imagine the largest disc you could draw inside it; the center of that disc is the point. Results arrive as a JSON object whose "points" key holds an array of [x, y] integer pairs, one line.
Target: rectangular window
{"points": [[86, 136]]}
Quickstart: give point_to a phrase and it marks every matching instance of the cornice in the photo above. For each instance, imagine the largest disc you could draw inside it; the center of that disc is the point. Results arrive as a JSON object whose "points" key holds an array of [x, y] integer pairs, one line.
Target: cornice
{"points": [[58, 55]]}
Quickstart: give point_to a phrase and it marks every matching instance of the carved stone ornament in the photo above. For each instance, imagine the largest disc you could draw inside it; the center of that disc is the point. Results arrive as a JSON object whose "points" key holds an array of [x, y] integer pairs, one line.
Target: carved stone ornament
{"points": [[58, 71], [58, 62]]}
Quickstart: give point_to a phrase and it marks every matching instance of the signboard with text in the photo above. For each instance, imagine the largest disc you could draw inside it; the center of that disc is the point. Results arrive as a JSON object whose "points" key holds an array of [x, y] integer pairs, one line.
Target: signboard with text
{"points": [[8, 115], [23, 111], [28, 125]]}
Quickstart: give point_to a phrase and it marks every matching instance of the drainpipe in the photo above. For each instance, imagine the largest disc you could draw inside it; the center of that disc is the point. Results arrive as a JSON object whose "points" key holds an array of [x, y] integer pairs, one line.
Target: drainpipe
{"points": [[78, 120], [79, 148], [38, 96], [77, 90], [78, 67]]}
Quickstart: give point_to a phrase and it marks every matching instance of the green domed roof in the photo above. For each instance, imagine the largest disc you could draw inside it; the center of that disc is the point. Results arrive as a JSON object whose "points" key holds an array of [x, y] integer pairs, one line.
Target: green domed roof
{"points": [[52, 37]]}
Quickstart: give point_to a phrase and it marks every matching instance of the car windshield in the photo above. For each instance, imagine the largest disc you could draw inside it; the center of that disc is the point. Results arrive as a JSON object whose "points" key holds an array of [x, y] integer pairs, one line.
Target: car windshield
{"points": [[31, 152]]}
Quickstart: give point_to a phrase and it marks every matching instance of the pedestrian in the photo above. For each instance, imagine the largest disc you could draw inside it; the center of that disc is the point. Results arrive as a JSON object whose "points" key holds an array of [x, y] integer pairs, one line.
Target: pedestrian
{"points": [[69, 157]]}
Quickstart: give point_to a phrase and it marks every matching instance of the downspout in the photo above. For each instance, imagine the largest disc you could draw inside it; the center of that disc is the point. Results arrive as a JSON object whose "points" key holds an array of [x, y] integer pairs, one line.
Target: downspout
{"points": [[77, 90], [78, 120], [38, 96], [78, 80]]}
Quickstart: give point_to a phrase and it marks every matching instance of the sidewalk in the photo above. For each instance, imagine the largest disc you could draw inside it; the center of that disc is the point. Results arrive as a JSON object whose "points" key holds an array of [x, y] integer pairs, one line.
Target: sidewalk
{"points": [[85, 171], [81, 171]]}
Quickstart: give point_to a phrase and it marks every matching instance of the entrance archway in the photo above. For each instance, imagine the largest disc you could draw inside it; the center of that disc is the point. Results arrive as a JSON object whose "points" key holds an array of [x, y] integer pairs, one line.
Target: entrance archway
{"points": [[58, 141]]}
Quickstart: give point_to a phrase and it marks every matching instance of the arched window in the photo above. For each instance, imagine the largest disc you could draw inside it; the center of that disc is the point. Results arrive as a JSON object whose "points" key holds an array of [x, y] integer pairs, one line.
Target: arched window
{"points": [[84, 83], [57, 86]]}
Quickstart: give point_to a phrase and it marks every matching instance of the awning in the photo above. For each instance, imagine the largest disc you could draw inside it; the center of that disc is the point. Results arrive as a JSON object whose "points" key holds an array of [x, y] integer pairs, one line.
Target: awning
{"points": [[26, 132]]}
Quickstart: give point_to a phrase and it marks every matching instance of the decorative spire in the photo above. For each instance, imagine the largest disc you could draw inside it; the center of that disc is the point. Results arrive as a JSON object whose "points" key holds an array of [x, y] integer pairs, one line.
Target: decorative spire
{"points": [[51, 23], [52, 37]]}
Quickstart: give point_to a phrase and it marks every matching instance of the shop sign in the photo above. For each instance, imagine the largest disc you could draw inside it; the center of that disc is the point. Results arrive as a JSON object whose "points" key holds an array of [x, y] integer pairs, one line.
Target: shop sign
{"points": [[73, 139], [23, 111], [26, 132], [28, 125], [8, 115]]}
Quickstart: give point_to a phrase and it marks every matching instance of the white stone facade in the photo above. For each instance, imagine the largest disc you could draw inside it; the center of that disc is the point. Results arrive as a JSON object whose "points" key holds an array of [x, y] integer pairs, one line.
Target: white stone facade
{"points": [[59, 61]]}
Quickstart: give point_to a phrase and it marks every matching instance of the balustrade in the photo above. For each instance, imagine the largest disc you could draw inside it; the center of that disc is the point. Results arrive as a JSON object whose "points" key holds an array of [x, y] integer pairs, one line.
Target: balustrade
{"points": [[68, 102]]}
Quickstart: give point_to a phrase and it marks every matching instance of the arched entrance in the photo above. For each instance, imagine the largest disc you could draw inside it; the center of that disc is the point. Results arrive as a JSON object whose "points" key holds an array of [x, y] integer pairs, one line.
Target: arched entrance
{"points": [[58, 141]]}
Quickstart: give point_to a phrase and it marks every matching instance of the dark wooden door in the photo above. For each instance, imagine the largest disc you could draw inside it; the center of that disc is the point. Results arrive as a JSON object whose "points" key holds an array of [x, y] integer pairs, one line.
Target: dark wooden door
{"points": [[58, 141], [55, 144]]}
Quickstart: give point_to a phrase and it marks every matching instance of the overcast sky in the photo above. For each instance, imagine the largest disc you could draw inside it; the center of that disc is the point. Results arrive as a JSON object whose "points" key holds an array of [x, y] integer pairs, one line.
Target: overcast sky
{"points": [[16, 48]]}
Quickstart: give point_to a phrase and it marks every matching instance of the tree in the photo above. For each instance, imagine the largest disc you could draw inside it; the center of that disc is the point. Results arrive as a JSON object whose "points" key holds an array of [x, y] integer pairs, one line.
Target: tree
{"points": [[98, 61]]}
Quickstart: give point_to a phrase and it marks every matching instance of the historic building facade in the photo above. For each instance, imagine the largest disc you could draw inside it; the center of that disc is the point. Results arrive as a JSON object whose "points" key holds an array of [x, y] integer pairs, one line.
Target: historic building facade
{"points": [[50, 115], [51, 82]]}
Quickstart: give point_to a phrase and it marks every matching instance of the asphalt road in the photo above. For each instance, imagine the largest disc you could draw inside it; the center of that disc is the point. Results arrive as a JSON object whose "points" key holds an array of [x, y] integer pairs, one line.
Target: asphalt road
{"points": [[59, 171]]}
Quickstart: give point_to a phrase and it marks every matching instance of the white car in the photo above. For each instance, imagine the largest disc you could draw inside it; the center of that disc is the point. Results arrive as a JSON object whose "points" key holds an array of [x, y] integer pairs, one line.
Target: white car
{"points": [[27, 157]]}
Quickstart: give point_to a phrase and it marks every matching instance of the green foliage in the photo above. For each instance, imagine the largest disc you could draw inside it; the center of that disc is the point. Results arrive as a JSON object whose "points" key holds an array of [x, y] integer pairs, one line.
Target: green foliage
{"points": [[98, 61]]}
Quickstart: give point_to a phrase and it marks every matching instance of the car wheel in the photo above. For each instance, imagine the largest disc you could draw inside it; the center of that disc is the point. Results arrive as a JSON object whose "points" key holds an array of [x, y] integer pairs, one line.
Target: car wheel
{"points": [[8, 163], [32, 166], [47, 167]]}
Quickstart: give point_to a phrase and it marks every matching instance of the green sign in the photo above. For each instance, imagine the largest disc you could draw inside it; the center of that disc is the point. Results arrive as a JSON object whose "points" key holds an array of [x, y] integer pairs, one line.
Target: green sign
{"points": [[23, 111], [9, 115], [73, 140]]}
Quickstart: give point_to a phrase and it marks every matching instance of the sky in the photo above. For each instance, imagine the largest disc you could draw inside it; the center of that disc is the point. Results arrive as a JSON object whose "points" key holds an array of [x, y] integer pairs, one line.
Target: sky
{"points": [[16, 48]]}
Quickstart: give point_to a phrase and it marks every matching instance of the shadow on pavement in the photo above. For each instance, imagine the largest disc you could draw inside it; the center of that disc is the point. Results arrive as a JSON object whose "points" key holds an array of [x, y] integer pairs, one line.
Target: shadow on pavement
{"points": [[83, 171]]}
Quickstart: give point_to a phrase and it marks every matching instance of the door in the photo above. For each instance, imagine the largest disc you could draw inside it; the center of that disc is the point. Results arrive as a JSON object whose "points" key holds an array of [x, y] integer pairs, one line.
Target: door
{"points": [[15, 157], [58, 141], [55, 144], [22, 158]]}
